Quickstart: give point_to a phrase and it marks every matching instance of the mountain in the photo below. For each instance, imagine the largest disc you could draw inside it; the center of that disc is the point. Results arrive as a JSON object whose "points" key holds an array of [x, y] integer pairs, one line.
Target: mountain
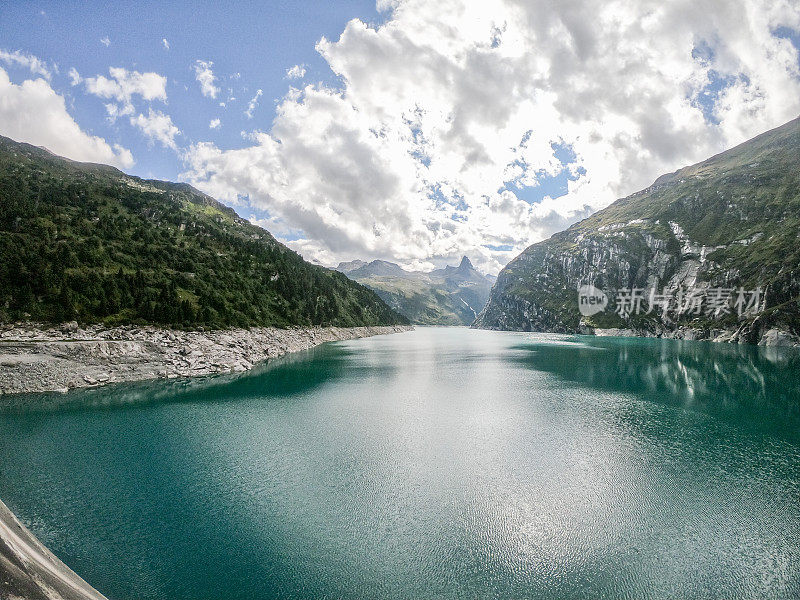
{"points": [[346, 267], [449, 296], [380, 268], [723, 229], [88, 242]]}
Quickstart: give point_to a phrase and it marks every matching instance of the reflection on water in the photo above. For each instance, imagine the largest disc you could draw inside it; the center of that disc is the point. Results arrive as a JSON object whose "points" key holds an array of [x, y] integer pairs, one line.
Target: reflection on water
{"points": [[442, 463], [719, 379], [290, 374]]}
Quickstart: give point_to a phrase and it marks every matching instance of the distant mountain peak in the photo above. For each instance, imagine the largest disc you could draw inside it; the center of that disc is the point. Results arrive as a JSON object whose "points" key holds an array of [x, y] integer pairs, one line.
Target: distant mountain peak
{"points": [[452, 295], [346, 267], [377, 268]]}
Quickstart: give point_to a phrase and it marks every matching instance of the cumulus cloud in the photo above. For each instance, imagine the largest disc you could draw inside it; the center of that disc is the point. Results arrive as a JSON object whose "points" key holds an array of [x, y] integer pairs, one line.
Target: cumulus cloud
{"points": [[253, 104], [33, 112], [215, 124], [296, 72], [23, 59], [157, 127], [122, 86], [449, 111], [205, 77]]}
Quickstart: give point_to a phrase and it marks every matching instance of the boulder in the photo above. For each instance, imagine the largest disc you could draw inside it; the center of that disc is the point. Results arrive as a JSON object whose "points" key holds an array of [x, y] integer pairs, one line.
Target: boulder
{"points": [[777, 338]]}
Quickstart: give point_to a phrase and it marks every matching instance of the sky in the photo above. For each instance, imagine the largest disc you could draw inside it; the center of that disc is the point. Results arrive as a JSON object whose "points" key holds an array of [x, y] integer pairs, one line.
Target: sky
{"points": [[406, 130]]}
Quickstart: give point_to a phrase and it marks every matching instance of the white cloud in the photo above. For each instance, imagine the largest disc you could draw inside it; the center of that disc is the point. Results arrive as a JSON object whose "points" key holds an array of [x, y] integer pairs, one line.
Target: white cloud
{"points": [[158, 127], [33, 112], [74, 77], [253, 104], [275, 226], [105, 41], [114, 111], [122, 86], [215, 124], [296, 72], [448, 108], [23, 59], [205, 77], [165, 43]]}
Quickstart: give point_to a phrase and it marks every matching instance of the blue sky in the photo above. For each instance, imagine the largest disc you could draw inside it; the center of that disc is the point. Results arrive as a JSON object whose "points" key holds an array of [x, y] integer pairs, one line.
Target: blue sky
{"points": [[419, 131], [257, 40], [251, 46]]}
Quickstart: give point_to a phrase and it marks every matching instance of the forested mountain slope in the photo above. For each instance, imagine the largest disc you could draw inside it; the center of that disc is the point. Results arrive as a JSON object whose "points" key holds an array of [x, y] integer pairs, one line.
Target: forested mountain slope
{"points": [[88, 242]]}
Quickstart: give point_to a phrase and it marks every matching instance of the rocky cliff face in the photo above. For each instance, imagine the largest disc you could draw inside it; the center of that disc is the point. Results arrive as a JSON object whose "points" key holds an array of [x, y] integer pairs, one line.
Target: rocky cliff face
{"points": [[726, 230]]}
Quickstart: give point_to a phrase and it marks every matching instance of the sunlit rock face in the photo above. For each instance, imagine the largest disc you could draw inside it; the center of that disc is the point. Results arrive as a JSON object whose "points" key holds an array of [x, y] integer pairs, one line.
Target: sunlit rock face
{"points": [[730, 222]]}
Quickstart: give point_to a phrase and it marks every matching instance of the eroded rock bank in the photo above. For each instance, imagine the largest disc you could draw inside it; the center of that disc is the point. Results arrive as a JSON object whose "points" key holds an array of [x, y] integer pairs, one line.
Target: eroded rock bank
{"points": [[56, 359]]}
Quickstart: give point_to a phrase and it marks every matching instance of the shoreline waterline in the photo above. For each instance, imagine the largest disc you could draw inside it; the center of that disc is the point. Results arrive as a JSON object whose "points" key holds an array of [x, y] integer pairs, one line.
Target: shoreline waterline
{"points": [[36, 359]]}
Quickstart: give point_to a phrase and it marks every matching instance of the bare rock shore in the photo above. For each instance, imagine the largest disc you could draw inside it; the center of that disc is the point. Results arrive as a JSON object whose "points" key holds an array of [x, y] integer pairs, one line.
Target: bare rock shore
{"points": [[773, 338], [57, 359]]}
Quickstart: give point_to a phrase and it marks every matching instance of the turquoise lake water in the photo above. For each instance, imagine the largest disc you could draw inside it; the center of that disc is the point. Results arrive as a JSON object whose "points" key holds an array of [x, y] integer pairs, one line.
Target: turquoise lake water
{"points": [[439, 463]]}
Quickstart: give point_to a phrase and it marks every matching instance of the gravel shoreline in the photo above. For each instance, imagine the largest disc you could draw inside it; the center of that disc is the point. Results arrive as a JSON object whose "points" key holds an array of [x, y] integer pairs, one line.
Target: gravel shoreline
{"points": [[34, 358]]}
